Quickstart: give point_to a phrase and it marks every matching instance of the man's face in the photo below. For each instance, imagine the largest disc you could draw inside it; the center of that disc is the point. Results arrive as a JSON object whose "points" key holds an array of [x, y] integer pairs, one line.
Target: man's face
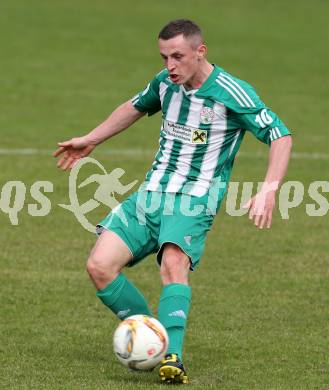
{"points": [[181, 57]]}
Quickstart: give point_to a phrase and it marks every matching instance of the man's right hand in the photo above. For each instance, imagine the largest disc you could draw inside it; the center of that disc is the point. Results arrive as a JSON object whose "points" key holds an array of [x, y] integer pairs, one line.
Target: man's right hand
{"points": [[72, 151]]}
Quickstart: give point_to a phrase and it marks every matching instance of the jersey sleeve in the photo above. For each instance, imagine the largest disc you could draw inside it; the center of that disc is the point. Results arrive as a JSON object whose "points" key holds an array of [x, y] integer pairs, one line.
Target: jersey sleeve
{"points": [[248, 112], [148, 100], [263, 123]]}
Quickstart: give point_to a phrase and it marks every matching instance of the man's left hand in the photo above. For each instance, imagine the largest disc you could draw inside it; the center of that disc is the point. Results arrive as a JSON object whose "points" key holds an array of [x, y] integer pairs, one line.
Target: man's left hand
{"points": [[261, 208]]}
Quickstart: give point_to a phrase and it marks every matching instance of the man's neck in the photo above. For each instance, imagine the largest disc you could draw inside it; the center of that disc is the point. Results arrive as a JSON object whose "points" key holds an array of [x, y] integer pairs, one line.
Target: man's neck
{"points": [[200, 77]]}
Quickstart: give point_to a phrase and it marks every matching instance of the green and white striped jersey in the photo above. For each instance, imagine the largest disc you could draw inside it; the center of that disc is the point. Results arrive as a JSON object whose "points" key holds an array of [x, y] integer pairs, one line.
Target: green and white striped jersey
{"points": [[202, 129]]}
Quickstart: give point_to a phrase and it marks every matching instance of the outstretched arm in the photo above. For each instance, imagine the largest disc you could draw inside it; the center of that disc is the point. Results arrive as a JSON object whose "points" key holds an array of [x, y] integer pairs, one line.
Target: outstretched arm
{"points": [[77, 148], [262, 204]]}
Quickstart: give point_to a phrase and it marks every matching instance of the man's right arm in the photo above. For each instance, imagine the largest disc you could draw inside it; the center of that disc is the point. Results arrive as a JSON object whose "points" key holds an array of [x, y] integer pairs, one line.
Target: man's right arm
{"points": [[120, 119], [77, 148]]}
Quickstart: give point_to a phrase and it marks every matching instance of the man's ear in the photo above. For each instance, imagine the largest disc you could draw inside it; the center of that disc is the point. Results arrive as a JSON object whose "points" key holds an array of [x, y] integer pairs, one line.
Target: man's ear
{"points": [[202, 51]]}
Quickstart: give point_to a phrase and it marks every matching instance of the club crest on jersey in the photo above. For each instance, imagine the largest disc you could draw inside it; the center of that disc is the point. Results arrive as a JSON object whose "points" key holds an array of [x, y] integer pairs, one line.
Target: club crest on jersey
{"points": [[199, 137], [207, 115]]}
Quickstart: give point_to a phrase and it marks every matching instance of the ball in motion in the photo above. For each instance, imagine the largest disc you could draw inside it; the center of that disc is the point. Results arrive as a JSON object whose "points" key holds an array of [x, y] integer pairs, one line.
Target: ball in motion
{"points": [[140, 342]]}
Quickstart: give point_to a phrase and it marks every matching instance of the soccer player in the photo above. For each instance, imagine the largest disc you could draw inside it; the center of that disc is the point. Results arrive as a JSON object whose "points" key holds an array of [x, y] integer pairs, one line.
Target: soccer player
{"points": [[205, 115]]}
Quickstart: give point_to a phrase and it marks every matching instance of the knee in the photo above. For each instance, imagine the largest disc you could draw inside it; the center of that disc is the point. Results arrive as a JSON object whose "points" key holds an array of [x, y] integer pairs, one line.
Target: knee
{"points": [[95, 266], [99, 269], [175, 266]]}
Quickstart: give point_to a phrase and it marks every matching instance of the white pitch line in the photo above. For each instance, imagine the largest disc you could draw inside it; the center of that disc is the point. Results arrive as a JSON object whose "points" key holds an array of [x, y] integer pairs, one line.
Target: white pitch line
{"points": [[294, 155], [49, 152], [144, 152]]}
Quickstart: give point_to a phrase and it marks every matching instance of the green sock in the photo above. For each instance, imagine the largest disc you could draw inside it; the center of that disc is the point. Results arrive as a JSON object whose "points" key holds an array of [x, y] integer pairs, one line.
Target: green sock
{"points": [[173, 311], [123, 298]]}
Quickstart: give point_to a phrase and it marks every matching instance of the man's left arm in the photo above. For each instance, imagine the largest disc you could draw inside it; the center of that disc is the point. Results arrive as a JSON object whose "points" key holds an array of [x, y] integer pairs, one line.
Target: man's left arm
{"points": [[251, 114], [261, 206]]}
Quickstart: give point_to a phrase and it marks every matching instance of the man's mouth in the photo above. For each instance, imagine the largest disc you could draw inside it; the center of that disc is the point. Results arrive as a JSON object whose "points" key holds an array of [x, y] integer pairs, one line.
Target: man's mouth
{"points": [[174, 78]]}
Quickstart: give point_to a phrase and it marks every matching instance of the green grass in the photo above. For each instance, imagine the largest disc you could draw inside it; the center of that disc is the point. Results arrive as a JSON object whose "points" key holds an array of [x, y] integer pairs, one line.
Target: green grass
{"points": [[259, 318]]}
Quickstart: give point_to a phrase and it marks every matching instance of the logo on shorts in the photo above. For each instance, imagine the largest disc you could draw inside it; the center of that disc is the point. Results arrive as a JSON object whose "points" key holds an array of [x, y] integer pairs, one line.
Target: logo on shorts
{"points": [[188, 239], [207, 115]]}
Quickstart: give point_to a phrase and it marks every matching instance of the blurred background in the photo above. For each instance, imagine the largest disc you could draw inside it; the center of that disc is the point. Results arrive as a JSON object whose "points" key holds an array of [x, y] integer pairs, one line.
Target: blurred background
{"points": [[260, 314]]}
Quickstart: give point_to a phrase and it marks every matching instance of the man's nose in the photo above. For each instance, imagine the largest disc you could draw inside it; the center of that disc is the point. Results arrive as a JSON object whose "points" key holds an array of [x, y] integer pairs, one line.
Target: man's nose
{"points": [[171, 65]]}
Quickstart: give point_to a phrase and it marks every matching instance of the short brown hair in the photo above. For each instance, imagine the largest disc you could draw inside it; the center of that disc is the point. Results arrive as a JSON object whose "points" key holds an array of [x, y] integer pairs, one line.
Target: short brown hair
{"points": [[176, 27]]}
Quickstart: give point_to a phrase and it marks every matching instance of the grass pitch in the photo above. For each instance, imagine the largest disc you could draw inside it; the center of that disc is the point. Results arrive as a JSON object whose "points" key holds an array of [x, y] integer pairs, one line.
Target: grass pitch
{"points": [[259, 318]]}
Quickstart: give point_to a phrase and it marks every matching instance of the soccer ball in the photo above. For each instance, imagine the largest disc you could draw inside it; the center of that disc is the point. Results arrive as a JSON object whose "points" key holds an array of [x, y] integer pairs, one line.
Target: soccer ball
{"points": [[140, 342]]}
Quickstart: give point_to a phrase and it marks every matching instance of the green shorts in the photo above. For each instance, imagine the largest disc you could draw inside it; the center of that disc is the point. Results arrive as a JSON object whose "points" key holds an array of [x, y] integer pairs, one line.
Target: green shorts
{"points": [[147, 220]]}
